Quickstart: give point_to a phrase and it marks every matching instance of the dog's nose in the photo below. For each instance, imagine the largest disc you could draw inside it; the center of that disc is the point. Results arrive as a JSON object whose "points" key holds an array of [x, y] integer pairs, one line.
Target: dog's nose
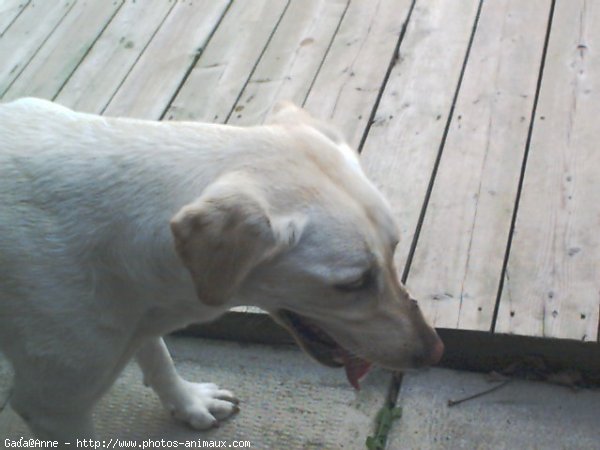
{"points": [[430, 355]]}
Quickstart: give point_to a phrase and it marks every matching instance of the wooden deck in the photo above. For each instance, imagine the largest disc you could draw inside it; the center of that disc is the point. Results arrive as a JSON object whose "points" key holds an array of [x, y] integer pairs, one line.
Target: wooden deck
{"points": [[478, 120]]}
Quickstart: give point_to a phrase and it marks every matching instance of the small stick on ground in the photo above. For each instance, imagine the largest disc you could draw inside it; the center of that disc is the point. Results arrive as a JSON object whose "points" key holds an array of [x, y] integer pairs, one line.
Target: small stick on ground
{"points": [[479, 394]]}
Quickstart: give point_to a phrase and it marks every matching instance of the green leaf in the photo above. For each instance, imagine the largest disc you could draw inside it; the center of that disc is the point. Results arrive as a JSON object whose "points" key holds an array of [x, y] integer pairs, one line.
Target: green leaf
{"points": [[383, 421], [396, 413]]}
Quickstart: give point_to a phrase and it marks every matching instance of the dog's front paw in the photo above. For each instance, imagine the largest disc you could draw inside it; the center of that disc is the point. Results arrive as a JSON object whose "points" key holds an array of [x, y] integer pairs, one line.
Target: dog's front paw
{"points": [[202, 405]]}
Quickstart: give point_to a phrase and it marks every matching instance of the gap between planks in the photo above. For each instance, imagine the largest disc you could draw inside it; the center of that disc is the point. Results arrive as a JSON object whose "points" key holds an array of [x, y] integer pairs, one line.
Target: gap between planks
{"points": [[523, 167], [194, 22], [551, 288], [291, 61], [102, 71], [415, 239], [457, 263], [195, 60], [393, 61], [216, 83], [88, 50], [11, 10], [35, 42], [327, 50]]}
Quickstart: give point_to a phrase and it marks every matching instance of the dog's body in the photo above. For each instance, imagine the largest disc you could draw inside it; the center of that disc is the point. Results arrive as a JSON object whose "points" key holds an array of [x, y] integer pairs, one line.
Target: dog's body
{"points": [[92, 274]]}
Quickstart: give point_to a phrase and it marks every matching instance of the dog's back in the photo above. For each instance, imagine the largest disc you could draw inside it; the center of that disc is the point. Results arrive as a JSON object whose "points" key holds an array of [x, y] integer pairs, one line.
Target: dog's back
{"points": [[85, 204]]}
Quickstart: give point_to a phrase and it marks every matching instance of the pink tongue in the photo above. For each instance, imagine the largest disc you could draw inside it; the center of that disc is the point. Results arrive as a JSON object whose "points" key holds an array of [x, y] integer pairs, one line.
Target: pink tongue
{"points": [[356, 368]]}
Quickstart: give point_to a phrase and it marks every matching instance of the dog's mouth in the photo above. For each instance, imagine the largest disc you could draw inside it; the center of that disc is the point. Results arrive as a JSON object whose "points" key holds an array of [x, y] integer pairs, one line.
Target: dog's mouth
{"points": [[322, 347]]}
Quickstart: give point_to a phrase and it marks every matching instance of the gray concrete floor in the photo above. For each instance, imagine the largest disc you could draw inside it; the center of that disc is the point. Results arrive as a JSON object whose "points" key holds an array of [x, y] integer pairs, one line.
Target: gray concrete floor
{"points": [[290, 402], [522, 415], [287, 400]]}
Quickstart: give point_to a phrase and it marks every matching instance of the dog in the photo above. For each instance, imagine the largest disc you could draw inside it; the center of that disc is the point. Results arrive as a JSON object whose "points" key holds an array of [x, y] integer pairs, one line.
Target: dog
{"points": [[115, 232]]}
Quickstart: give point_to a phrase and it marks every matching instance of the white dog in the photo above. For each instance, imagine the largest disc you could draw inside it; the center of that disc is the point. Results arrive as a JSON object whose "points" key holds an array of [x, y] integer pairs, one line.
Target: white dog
{"points": [[114, 232]]}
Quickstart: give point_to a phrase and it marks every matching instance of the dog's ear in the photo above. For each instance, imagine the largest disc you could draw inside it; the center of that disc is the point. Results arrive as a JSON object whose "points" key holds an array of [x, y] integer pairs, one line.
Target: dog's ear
{"points": [[285, 112], [228, 231]]}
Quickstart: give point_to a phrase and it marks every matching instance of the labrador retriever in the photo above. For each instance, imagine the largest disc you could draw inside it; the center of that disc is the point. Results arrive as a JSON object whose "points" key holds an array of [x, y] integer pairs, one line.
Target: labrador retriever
{"points": [[114, 232]]}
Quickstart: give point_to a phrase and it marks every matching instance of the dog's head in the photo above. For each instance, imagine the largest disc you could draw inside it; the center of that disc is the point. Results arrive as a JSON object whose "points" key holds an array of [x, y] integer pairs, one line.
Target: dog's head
{"points": [[304, 235]]}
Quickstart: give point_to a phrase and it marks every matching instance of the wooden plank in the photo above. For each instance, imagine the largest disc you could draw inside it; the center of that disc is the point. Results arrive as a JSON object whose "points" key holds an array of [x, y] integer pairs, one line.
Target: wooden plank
{"points": [[63, 50], [458, 261], [215, 83], [26, 35], [354, 69], [402, 145], [154, 80], [104, 68], [552, 282], [292, 59], [9, 11]]}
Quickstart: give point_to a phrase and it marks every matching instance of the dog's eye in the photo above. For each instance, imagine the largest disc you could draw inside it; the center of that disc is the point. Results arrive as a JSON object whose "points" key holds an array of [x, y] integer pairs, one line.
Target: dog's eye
{"points": [[365, 281]]}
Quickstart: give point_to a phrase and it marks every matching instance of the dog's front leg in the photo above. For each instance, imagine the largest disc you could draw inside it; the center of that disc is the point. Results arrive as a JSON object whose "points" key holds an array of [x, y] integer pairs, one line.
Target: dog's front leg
{"points": [[201, 405]]}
